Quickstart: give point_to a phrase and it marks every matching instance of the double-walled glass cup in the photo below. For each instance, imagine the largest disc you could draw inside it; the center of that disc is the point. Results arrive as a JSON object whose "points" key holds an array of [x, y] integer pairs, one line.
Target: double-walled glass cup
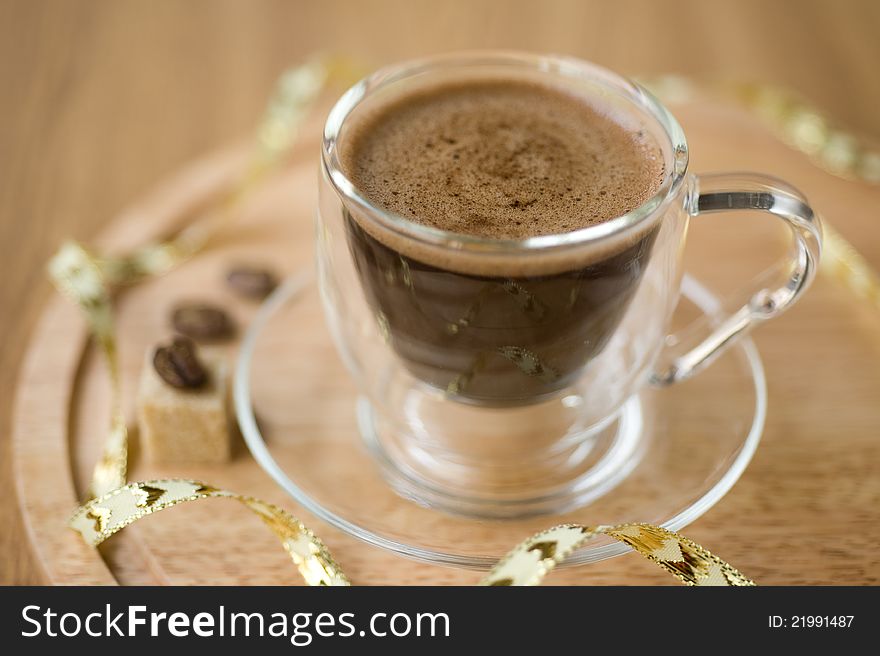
{"points": [[488, 368]]}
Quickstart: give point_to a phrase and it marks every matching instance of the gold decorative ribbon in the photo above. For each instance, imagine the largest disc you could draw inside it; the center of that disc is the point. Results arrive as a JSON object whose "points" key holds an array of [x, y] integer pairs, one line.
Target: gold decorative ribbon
{"points": [[805, 128], [78, 276], [527, 564], [843, 262], [100, 518], [530, 561], [795, 121]]}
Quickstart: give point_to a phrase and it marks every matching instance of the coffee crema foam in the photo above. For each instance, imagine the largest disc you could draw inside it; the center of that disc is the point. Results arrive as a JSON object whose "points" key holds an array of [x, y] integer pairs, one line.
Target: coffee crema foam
{"points": [[529, 159], [502, 159]]}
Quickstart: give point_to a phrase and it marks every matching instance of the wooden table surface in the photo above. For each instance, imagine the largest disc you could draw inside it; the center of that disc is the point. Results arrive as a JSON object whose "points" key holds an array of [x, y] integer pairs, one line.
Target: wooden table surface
{"points": [[102, 99]]}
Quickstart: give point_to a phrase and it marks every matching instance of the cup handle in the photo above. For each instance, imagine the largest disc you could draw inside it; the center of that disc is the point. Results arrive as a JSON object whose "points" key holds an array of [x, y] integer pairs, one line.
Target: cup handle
{"points": [[690, 350]]}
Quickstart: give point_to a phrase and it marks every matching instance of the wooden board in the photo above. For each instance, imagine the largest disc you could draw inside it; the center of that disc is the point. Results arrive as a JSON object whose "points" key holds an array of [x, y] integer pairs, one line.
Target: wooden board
{"points": [[807, 492]]}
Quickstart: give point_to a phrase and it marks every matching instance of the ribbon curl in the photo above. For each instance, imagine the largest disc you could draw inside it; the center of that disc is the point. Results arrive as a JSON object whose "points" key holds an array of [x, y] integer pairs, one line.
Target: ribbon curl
{"points": [[527, 564], [108, 514], [78, 276], [530, 561]]}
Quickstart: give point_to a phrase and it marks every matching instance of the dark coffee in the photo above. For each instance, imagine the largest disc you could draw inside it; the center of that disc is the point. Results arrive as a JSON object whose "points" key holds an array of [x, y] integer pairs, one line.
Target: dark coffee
{"points": [[499, 160]]}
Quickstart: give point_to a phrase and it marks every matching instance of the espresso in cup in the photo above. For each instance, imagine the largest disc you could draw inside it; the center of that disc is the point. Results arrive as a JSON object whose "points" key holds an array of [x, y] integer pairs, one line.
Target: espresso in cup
{"points": [[498, 160]]}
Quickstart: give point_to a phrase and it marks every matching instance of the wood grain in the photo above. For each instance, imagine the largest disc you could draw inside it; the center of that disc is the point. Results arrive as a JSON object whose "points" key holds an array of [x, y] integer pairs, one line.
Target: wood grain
{"points": [[102, 99], [63, 398]]}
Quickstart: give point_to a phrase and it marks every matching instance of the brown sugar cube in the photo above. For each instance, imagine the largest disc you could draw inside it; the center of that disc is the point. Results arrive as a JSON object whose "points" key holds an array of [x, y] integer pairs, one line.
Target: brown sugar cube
{"points": [[185, 425]]}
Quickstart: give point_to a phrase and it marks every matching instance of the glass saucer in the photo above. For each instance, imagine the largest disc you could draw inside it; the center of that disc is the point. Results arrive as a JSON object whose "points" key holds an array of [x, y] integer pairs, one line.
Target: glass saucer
{"points": [[298, 412]]}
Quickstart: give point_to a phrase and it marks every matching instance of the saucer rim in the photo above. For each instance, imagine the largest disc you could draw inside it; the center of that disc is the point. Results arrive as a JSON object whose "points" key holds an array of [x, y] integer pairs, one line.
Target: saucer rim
{"points": [[691, 288]]}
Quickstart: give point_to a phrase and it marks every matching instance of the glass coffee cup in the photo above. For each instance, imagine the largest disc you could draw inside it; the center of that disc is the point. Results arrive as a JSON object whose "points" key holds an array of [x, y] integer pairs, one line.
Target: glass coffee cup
{"points": [[487, 366]]}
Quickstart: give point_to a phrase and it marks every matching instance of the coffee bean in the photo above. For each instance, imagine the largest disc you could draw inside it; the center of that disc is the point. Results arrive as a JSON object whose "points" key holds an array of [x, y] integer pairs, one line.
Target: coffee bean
{"points": [[202, 322], [178, 364], [252, 282]]}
